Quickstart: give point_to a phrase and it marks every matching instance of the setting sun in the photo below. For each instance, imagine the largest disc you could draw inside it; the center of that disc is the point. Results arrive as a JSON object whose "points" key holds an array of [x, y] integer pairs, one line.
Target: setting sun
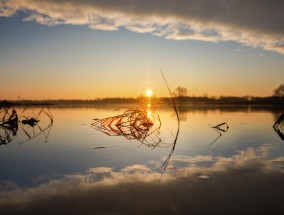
{"points": [[149, 93]]}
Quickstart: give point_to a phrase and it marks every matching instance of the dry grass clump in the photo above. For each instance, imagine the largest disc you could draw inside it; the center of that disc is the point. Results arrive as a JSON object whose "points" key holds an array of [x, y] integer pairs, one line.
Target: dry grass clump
{"points": [[34, 120], [133, 123], [8, 123], [138, 124]]}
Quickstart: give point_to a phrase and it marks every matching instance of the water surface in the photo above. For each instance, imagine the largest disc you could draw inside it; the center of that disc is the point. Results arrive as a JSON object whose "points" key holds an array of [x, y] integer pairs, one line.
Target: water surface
{"points": [[73, 168]]}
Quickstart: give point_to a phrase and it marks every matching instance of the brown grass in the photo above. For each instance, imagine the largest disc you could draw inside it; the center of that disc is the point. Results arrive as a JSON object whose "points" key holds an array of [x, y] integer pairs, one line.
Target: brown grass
{"points": [[133, 123]]}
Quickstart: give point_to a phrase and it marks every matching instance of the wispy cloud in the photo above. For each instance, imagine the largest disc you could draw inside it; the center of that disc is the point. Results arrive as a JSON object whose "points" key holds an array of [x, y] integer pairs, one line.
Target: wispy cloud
{"points": [[254, 23]]}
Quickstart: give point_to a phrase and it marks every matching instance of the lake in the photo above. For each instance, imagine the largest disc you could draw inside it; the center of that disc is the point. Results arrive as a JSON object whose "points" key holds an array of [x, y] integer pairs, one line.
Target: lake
{"points": [[225, 160]]}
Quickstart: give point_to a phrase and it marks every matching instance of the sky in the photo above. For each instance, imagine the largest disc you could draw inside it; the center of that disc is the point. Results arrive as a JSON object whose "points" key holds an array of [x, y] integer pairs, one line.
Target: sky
{"points": [[92, 49]]}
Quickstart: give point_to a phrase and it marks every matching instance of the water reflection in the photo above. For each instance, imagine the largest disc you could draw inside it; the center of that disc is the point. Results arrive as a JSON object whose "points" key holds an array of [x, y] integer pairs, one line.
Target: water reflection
{"points": [[8, 123], [139, 124], [134, 123], [6, 134], [220, 129], [243, 176], [33, 121], [242, 184], [278, 126], [279, 131]]}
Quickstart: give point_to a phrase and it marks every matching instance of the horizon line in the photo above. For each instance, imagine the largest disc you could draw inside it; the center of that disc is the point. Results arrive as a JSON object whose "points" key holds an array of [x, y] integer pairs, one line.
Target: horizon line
{"points": [[248, 97]]}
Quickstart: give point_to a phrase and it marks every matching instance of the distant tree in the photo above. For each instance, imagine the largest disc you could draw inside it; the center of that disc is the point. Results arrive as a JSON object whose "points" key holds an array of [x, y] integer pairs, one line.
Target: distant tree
{"points": [[279, 91], [180, 92]]}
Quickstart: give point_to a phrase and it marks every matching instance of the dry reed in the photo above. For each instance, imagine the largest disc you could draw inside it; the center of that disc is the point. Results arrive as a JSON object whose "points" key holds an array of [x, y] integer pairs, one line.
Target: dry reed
{"points": [[10, 121], [133, 123], [278, 126]]}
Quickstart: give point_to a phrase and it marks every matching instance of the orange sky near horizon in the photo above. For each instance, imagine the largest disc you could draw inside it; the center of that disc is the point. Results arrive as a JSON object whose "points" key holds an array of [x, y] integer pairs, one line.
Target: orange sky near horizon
{"points": [[93, 50]]}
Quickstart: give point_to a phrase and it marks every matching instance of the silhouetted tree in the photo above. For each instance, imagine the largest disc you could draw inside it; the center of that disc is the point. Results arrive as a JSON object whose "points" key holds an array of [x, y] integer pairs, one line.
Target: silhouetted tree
{"points": [[180, 92], [279, 91]]}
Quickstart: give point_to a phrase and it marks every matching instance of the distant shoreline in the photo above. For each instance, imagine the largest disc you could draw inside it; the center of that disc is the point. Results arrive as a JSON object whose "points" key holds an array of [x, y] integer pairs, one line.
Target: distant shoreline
{"points": [[273, 101]]}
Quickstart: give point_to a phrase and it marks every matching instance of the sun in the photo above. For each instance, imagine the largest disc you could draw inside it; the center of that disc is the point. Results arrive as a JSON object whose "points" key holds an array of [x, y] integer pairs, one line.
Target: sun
{"points": [[149, 93]]}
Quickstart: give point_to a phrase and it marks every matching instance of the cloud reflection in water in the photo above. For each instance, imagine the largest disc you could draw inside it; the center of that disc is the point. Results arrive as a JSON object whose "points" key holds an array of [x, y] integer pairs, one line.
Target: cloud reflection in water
{"points": [[242, 184]]}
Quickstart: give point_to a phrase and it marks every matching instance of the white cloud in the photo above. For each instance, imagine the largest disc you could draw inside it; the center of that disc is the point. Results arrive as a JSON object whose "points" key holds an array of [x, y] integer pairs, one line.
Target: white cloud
{"points": [[254, 23]]}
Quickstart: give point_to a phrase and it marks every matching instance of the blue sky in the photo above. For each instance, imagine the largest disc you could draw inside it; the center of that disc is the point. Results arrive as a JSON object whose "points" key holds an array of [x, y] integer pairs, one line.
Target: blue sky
{"points": [[89, 49]]}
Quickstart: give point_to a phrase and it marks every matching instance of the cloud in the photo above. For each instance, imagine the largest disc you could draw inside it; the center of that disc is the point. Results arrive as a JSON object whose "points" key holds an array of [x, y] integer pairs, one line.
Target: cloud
{"points": [[253, 23], [244, 183]]}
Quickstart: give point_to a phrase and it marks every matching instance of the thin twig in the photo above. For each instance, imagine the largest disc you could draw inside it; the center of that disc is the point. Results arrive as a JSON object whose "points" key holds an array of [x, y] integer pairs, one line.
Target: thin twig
{"points": [[165, 164]]}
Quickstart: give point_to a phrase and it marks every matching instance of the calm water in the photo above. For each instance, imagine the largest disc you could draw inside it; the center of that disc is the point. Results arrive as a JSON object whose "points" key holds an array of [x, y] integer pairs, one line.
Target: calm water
{"points": [[69, 167]]}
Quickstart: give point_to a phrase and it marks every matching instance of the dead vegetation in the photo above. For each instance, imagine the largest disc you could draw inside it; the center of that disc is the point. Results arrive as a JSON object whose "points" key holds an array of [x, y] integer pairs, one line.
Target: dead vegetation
{"points": [[278, 126], [133, 123], [26, 125], [173, 104], [220, 129], [8, 123], [141, 125]]}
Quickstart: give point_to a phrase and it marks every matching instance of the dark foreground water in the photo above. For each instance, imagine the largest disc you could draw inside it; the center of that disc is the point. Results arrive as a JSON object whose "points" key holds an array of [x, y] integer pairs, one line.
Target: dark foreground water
{"points": [[225, 161]]}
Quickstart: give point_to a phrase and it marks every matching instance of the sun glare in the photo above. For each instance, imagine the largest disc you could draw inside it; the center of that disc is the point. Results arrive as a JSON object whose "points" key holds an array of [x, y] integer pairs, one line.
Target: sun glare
{"points": [[149, 93]]}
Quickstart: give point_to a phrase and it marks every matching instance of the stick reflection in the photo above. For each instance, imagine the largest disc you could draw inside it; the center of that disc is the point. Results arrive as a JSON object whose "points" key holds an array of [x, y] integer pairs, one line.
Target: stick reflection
{"points": [[8, 123], [278, 126], [134, 123], [35, 120], [220, 129]]}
